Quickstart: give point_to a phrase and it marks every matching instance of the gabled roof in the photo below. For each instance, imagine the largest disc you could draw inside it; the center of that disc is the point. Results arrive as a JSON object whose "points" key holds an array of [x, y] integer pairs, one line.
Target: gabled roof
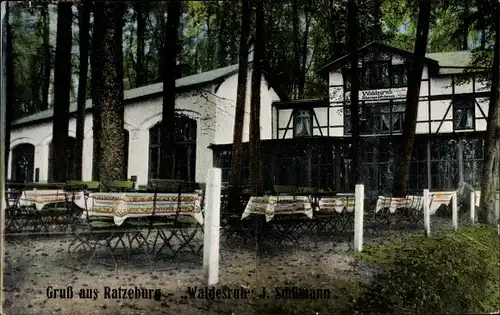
{"points": [[190, 82], [441, 62], [342, 60]]}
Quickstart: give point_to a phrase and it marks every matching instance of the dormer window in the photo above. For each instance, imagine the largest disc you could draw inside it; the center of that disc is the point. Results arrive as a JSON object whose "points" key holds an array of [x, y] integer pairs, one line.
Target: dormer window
{"points": [[463, 113], [376, 75], [399, 75], [303, 123]]}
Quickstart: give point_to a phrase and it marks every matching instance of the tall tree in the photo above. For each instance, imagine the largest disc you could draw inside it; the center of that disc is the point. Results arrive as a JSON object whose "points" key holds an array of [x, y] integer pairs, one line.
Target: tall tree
{"points": [[84, 20], [304, 51], [354, 77], [9, 92], [96, 66], [167, 134], [109, 16], [46, 56], [254, 143], [237, 149], [491, 172], [62, 87], [407, 140], [296, 47], [140, 68]]}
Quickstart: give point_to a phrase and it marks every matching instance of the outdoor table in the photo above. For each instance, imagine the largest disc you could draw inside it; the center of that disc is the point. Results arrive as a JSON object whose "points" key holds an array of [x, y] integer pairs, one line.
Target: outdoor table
{"points": [[394, 203], [338, 203], [133, 205], [439, 198], [497, 200], [41, 198], [272, 205]]}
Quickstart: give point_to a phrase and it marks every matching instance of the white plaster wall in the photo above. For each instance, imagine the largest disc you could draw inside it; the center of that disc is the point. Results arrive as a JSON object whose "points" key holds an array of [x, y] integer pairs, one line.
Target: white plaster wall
{"points": [[336, 78], [284, 118], [482, 103], [225, 97], [322, 115], [214, 113], [441, 86], [139, 118]]}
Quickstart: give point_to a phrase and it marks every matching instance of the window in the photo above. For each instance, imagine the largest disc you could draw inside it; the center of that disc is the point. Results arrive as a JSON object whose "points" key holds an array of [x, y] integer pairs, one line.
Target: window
{"points": [[399, 75], [376, 76], [463, 113], [185, 149], [347, 117], [23, 163], [473, 161], [444, 164], [303, 123], [418, 167], [378, 118]]}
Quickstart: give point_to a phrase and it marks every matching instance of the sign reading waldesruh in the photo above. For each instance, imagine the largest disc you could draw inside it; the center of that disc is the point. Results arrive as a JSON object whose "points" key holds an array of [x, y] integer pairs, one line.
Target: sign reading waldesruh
{"points": [[375, 95]]}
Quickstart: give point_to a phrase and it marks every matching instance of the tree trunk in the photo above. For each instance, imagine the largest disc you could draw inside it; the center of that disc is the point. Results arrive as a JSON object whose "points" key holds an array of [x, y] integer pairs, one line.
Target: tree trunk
{"points": [[489, 179], [354, 106], [255, 154], [167, 134], [9, 92], [465, 34], [96, 66], [62, 85], [296, 47], [377, 32], [237, 152], [303, 67], [221, 45], [46, 58], [109, 15], [412, 97], [141, 29], [84, 19]]}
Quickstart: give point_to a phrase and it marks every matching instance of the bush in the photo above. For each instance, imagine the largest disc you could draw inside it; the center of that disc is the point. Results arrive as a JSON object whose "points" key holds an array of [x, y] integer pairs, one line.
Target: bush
{"points": [[453, 273]]}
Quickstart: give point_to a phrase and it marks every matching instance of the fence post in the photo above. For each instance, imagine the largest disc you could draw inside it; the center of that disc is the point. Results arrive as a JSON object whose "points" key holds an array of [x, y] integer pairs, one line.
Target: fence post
{"points": [[427, 217], [212, 226], [454, 211], [358, 217], [473, 207]]}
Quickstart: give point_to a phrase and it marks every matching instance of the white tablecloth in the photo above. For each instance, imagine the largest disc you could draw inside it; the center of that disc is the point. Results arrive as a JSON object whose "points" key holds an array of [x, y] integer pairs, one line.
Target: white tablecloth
{"points": [[40, 198], [132, 205], [272, 205]]}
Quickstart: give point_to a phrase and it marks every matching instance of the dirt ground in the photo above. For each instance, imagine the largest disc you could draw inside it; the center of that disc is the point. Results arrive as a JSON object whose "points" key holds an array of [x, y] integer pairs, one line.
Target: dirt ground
{"points": [[35, 263], [32, 265]]}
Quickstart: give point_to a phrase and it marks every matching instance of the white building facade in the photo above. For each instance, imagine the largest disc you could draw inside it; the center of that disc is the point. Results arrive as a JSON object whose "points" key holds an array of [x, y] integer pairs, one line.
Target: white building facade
{"points": [[310, 145], [206, 107]]}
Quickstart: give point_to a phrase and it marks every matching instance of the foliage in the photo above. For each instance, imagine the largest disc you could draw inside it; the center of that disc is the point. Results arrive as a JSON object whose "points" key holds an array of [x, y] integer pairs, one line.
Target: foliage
{"points": [[209, 38], [453, 273]]}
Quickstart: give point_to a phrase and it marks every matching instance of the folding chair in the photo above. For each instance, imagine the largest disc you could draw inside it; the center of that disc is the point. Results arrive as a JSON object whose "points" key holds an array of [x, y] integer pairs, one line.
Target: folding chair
{"points": [[179, 228], [92, 233]]}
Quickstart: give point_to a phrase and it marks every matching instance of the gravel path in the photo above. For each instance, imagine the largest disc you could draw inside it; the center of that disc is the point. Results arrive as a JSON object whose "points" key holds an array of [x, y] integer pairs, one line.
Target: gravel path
{"points": [[32, 265]]}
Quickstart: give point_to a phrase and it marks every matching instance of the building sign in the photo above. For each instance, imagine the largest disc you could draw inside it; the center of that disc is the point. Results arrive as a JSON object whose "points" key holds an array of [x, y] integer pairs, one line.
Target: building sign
{"points": [[375, 95]]}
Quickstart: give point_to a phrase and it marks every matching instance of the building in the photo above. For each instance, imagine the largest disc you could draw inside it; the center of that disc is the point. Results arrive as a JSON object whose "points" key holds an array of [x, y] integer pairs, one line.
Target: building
{"points": [[205, 105], [311, 138]]}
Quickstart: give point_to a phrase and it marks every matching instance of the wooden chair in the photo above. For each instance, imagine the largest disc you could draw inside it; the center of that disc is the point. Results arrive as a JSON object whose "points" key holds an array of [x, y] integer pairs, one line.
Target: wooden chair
{"points": [[118, 185]]}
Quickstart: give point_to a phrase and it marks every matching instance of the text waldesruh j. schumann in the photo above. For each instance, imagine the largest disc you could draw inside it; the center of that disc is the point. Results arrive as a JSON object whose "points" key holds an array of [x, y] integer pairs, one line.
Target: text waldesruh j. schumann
{"points": [[203, 292]]}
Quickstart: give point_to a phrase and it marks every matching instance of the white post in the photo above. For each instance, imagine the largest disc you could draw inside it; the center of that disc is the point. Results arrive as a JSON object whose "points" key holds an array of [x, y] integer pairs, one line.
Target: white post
{"points": [[472, 207], [358, 217], [427, 217], [212, 226], [454, 211]]}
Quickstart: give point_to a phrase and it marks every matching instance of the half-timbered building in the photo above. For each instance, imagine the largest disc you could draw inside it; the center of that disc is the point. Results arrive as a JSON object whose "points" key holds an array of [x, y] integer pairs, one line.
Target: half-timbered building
{"points": [[311, 138]]}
